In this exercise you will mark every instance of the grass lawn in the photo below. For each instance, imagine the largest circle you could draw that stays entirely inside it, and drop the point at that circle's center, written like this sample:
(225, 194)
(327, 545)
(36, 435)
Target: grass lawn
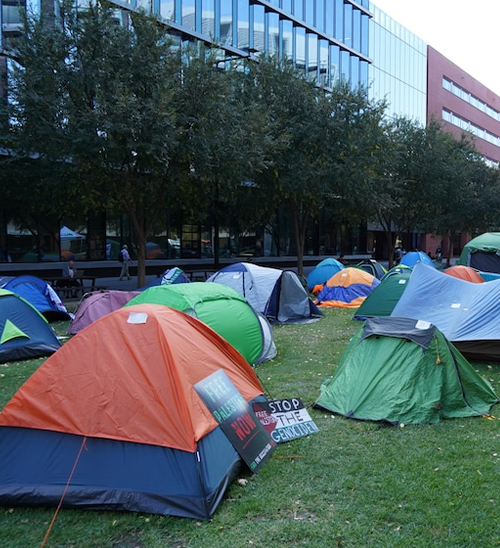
(352, 484)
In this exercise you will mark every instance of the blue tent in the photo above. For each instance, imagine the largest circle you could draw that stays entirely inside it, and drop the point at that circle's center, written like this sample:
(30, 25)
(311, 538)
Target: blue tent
(323, 271)
(39, 294)
(413, 257)
(467, 313)
(24, 332)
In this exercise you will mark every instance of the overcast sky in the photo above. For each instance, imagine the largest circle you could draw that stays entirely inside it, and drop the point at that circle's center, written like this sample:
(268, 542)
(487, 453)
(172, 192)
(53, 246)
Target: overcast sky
(465, 31)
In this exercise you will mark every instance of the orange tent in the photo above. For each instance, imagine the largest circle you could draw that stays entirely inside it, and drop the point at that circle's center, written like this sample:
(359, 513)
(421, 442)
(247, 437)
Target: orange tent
(125, 385)
(466, 273)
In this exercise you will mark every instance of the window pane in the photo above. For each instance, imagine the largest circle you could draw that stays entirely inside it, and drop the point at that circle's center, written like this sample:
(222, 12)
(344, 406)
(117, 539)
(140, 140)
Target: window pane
(243, 24)
(348, 25)
(300, 48)
(188, 14)
(334, 64)
(207, 17)
(312, 57)
(323, 63)
(226, 22)
(298, 9)
(273, 33)
(258, 27)
(339, 19)
(167, 9)
(287, 39)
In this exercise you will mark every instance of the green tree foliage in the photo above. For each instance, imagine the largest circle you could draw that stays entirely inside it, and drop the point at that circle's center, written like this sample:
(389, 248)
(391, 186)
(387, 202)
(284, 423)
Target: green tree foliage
(222, 143)
(319, 147)
(101, 107)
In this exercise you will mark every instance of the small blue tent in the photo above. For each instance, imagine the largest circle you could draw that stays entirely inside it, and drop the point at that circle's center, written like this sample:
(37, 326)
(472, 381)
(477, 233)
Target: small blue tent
(24, 332)
(39, 294)
(413, 257)
(323, 271)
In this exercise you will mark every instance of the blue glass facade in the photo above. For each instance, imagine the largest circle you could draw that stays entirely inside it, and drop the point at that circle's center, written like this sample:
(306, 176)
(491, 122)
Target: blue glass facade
(327, 39)
(398, 71)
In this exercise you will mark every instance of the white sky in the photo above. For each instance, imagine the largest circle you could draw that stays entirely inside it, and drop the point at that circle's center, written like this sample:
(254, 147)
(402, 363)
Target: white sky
(465, 31)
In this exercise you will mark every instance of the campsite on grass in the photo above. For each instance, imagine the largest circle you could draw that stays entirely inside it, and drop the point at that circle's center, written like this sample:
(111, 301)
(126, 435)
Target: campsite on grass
(111, 428)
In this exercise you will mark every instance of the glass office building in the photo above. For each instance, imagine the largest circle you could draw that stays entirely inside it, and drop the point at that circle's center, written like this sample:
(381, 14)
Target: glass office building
(329, 40)
(398, 71)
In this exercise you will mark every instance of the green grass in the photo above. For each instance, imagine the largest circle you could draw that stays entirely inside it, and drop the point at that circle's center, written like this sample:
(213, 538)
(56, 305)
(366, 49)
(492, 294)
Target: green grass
(352, 484)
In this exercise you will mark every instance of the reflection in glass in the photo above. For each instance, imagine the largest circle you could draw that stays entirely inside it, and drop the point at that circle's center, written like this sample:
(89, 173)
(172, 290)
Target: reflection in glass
(334, 65)
(324, 77)
(348, 25)
(258, 27)
(339, 19)
(226, 22)
(188, 14)
(167, 9)
(286, 39)
(300, 48)
(207, 18)
(298, 9)
(345, 66)
(312, 57)
(243, 24)
(320, 15)
(272, 33)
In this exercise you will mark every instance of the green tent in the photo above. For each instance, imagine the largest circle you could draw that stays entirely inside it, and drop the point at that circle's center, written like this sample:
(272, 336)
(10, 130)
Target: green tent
(382, 300)
(221, 308)
(404, 371)
(482, 253)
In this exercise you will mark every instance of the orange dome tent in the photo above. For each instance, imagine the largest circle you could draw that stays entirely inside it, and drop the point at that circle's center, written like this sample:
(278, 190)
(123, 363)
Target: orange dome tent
(466, 273)
(123, 390)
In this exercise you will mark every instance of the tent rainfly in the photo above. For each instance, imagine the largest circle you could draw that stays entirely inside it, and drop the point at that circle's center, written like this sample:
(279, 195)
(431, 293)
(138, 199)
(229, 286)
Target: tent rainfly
(404, 371)
(130, 430)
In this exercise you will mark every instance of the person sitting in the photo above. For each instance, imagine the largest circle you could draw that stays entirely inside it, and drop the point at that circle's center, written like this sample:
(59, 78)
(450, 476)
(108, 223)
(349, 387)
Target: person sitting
(69, 274)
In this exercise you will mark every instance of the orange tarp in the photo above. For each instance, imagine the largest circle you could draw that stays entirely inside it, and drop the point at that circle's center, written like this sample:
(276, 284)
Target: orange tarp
(132, 381)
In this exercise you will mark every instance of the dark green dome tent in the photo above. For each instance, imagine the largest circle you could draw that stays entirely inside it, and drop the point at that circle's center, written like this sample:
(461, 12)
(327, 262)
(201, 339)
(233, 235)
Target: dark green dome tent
(382, 300)
(482, 253)
(404, 371)
(221, 308)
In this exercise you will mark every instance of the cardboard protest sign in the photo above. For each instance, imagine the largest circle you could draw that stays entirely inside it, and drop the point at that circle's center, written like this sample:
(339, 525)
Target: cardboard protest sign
(286, 419)
(236, 418)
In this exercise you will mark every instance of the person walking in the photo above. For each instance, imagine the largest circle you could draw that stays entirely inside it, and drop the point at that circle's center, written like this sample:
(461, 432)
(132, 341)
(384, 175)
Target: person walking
(124, 258)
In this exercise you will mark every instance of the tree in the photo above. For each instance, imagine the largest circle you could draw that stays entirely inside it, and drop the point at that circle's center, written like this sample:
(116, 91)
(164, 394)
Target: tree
(101, 106)
(466, 191)
(392, 192)
(299, 124)
(222, 142)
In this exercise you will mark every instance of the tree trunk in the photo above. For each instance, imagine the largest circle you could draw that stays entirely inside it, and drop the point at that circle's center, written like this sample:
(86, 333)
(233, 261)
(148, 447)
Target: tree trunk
(299, 232)
(141, 261)
(449, 255)
(390, 247)
(140, 240)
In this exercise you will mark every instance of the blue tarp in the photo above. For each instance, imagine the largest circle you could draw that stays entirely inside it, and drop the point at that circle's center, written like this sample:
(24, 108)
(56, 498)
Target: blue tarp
(467, 313)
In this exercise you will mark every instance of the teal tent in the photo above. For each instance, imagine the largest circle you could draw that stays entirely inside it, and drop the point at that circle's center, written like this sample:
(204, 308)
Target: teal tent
(404, 371)
(221, 308)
